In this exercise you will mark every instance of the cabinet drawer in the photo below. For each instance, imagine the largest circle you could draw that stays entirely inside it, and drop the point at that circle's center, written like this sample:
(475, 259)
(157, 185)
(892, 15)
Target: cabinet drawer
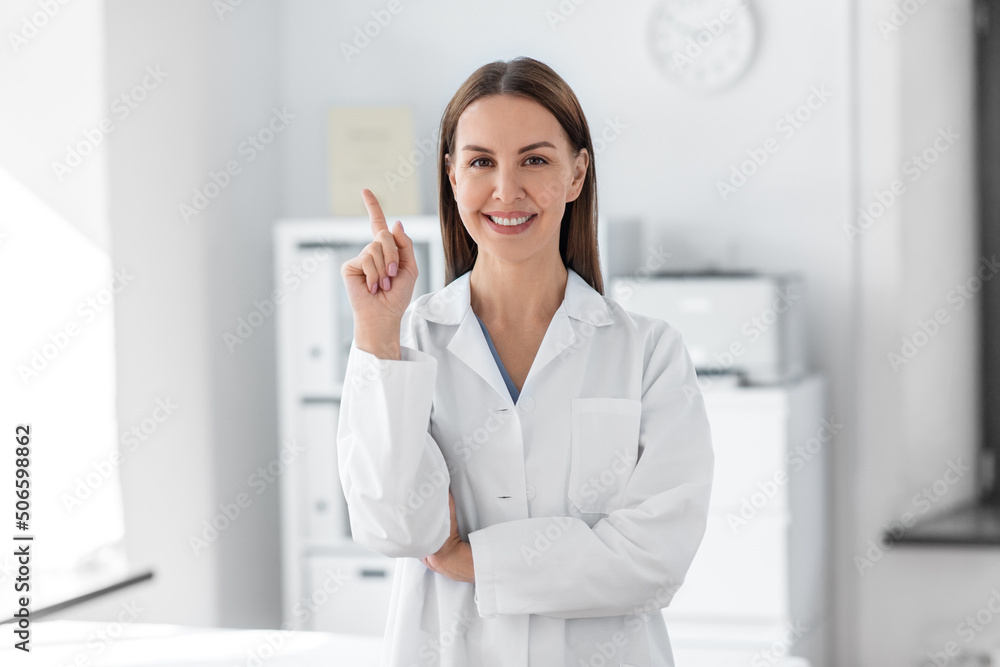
(344, 594)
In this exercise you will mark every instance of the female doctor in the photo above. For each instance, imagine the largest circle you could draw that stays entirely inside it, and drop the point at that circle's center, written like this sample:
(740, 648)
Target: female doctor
(537, 458)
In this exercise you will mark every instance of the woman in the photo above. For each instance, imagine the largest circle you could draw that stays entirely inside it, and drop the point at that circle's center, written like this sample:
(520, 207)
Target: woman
(538, 458)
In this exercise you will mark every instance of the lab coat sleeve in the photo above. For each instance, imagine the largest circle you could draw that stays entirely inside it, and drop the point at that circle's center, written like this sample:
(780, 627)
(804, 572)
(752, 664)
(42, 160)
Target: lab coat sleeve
(634, 559)
(394, 476)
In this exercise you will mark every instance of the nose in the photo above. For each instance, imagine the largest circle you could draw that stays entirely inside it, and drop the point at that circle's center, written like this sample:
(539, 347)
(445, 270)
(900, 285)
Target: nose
(507, 188)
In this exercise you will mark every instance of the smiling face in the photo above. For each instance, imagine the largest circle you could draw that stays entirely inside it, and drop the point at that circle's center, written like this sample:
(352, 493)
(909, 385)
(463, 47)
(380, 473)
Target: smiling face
(513, 171)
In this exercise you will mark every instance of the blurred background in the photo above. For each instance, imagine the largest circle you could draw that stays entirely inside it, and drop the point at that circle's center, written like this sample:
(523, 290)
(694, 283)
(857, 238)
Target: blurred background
(152, 150)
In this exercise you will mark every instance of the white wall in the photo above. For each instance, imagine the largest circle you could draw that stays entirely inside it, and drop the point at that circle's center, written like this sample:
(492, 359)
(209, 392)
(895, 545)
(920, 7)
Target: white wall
(193, 281)
(57, 97)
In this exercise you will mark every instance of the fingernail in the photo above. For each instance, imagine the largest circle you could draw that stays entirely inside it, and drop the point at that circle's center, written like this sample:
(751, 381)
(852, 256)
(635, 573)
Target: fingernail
(385, 283)
(392, 269)
(374, 287)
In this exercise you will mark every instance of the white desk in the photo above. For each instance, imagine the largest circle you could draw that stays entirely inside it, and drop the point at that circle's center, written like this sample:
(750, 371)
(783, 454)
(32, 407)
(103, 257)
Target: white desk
(78, 644)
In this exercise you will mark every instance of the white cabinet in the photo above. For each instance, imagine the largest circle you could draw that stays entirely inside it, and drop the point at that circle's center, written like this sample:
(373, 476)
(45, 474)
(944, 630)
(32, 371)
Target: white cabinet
(329, 583)
(758, 583)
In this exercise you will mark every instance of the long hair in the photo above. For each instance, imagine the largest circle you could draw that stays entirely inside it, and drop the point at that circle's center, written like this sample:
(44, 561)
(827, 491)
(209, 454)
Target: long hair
(537, 81)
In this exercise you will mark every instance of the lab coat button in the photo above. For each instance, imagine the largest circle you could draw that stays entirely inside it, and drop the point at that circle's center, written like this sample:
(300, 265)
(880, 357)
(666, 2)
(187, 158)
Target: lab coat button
(530, 488)
(525, 404)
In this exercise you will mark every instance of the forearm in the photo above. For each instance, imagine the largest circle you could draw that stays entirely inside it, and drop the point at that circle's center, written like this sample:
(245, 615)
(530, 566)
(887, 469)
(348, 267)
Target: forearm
(394, 475)
(559, 566)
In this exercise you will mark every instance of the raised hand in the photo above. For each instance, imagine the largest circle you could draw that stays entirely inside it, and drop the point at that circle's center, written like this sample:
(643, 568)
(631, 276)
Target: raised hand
(380, 282)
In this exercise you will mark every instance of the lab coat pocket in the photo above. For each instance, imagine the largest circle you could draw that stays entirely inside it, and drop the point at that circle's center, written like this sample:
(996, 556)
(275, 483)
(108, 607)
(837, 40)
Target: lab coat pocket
(605, 446)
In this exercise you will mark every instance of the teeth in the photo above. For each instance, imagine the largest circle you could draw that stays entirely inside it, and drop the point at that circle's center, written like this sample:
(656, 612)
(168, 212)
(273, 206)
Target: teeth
(510, 222)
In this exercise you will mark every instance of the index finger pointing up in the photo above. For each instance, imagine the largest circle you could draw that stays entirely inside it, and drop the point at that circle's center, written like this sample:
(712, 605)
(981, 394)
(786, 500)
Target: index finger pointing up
(374, 211)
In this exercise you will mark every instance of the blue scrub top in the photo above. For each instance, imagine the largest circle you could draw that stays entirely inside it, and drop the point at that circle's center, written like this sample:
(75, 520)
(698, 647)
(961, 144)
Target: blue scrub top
(514, 393)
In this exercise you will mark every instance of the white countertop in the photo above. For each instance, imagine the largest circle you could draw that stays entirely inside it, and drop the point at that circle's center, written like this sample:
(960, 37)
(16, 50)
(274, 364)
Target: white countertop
(79, 644)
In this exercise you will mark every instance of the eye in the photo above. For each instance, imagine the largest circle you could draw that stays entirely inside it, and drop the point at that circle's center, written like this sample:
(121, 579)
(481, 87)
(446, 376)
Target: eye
(479, 159)
(540, 159)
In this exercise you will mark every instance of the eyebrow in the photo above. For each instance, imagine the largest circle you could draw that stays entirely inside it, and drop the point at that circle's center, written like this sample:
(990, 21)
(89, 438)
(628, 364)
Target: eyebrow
(531, 147)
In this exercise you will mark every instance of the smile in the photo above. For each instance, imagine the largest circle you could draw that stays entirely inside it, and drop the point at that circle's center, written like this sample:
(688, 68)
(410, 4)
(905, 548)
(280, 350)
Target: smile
(510, 222)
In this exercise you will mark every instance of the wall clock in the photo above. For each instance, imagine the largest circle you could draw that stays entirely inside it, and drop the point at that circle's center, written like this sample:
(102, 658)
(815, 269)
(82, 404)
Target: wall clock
(703, 45)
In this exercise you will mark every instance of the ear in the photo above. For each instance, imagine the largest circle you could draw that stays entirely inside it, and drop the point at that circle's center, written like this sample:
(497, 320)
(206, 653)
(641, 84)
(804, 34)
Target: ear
(450, 168)
(580, 164)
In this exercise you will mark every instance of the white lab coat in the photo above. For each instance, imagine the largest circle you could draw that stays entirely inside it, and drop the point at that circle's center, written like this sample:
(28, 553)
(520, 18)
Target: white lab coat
(584, 503)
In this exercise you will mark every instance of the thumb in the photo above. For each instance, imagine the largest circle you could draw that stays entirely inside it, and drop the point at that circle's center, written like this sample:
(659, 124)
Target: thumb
(404, 245)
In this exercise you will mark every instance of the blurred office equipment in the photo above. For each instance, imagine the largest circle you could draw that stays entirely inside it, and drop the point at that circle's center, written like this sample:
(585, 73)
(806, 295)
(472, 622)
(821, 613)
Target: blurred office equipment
(757, 590)
(746, 324)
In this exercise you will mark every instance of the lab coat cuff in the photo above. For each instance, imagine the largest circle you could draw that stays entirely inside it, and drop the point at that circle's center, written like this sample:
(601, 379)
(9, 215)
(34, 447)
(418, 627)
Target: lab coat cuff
(482, 562)
(363, 365)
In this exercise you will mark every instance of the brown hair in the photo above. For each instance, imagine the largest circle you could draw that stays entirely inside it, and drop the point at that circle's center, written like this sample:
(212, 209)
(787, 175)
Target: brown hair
(537, 81)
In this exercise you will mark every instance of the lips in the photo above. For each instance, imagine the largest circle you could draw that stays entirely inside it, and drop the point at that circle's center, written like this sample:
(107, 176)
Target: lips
(511, 219)
(510, 225)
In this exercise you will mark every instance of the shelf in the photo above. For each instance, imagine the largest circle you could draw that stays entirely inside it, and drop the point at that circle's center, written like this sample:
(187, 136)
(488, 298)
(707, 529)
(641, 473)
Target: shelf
(976, 524)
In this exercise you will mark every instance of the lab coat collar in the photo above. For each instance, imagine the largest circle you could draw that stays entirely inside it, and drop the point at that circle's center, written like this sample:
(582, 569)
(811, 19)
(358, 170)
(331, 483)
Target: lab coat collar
(580, 301)
(452, 305)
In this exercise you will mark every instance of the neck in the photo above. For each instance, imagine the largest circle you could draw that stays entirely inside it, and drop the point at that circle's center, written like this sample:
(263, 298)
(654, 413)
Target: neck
(508, 293)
